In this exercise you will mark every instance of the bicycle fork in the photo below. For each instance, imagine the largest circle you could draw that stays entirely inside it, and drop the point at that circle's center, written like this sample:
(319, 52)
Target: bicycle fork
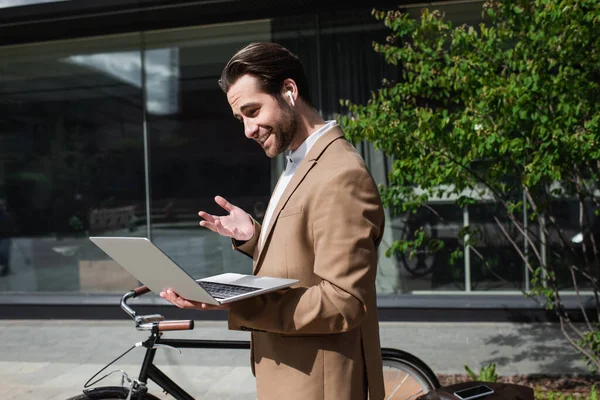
(152, 372)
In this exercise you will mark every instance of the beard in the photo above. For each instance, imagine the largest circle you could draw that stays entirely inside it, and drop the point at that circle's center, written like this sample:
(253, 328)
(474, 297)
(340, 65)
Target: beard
(283, 130)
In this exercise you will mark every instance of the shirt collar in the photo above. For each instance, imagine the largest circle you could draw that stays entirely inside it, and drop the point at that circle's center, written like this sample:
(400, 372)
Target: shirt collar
(296, 156)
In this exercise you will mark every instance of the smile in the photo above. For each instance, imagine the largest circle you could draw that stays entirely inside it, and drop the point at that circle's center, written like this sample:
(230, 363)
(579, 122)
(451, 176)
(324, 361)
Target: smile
(264, 138)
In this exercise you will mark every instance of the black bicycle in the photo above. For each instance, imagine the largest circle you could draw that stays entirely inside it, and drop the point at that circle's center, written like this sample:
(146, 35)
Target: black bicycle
(406, 377)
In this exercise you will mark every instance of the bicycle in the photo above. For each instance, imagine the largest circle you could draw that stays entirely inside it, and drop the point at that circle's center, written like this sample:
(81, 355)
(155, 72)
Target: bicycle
(406, 377)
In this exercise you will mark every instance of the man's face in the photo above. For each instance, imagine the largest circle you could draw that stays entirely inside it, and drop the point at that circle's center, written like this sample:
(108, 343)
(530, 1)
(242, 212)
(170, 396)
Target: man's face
(269, 121)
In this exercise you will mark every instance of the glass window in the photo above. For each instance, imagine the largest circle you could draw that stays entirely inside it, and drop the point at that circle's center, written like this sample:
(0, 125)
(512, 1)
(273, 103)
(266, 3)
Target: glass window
(71, 161)
(569, 244)
(495, 264)
(197, 149)
(17, 3)
(72, 156)
(350, 68)
(430, 267)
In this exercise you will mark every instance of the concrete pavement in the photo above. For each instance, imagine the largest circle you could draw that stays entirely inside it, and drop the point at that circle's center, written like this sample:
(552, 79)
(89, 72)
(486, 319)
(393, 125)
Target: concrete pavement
(52, 359)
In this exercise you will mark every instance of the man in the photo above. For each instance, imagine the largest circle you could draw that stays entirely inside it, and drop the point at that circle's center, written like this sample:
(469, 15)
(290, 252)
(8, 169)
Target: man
(319, 339)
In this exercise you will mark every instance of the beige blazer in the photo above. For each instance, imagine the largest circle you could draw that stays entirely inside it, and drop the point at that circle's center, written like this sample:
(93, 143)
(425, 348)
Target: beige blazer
(320, 339)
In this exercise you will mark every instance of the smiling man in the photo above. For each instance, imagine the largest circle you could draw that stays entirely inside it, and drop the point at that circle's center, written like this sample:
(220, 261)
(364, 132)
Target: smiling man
(268, 120)
(320, 338)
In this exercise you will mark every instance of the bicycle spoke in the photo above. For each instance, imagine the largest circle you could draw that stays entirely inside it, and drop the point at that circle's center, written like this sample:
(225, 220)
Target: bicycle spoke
(400, 385)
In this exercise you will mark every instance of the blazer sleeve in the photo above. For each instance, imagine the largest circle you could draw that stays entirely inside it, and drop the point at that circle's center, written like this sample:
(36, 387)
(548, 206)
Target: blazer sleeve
(347, 222)
(248, 246)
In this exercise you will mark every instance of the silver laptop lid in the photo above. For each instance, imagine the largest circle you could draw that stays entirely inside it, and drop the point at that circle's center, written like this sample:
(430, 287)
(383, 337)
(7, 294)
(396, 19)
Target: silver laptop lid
(141, 258)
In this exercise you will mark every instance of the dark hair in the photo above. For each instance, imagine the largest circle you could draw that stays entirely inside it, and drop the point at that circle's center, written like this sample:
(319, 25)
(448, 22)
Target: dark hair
(271, 64)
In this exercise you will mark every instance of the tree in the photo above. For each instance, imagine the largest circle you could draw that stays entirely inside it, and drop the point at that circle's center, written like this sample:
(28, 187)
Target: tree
(508, 110)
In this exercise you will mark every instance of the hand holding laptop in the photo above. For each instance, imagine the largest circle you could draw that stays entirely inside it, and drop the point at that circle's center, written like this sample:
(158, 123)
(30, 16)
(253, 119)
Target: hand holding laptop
(180, 302)
(155, 269)
(237, 224)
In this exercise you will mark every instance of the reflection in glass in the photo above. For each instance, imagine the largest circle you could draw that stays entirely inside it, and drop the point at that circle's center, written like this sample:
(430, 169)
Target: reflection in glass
(430, 266)
(7, 230)
(350, 68)
(566, 241)
(495, 263)
(16, 3)
(197, 149)
(72, 154)
(71, 161)
(162, 74)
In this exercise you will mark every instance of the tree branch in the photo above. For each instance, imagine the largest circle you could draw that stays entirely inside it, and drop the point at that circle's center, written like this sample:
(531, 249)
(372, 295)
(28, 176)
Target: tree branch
(585, 316)
(514, 244)
(583, 351)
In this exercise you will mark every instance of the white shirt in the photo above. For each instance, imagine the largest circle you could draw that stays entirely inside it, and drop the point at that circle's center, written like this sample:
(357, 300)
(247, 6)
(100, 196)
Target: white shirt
(294, 158)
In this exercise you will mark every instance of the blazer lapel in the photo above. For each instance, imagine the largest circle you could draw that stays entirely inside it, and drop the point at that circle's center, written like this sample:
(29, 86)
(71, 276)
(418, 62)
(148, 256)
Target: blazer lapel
(303, 169)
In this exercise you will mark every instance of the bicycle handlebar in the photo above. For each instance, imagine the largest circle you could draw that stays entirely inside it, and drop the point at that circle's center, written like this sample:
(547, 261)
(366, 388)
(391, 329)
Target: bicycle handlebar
(140, 291)
(182, 325)
(147, 322)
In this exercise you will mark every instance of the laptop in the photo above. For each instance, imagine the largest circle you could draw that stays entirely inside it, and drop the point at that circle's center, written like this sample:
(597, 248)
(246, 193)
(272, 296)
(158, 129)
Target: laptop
(142, 259)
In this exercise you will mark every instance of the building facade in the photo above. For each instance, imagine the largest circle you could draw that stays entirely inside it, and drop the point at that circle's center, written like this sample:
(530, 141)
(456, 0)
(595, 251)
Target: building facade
(112, 123)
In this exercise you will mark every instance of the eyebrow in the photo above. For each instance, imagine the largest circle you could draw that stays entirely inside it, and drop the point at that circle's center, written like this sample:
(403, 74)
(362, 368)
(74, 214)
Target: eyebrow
(245, 107)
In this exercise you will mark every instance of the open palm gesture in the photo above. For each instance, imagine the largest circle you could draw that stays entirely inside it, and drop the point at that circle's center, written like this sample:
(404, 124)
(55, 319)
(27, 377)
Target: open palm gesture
(237, 224)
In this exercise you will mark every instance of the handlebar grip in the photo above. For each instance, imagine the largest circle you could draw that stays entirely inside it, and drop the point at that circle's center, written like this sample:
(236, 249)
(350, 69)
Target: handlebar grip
(141, 290)
(182, 325)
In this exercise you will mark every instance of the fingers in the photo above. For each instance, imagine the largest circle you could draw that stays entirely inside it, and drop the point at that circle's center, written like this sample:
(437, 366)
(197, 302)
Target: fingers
(209, 221)
(180, 302)
(215, 225)
(206, 216)
(224, 203)
(210, 226)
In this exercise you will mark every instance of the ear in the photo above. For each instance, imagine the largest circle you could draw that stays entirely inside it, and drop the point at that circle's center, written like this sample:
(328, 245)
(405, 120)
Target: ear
(289, 85)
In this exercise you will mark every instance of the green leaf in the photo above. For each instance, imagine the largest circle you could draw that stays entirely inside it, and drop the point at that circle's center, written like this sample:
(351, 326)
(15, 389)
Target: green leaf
(480, 115)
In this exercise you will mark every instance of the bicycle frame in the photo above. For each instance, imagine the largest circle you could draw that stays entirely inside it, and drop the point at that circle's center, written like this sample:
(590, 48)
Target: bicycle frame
(150, 371)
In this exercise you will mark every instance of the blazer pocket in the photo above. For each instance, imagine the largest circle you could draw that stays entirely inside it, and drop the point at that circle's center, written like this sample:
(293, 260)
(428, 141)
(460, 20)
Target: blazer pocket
(286, 212)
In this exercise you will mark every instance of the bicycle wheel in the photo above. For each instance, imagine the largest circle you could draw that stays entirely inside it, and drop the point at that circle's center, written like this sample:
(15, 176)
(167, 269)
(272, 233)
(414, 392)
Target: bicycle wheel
(111, 393)
(405, 376)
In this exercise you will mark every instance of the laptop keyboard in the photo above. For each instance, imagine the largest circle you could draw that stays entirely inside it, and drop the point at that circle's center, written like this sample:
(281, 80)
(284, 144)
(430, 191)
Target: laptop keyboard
(224, 291)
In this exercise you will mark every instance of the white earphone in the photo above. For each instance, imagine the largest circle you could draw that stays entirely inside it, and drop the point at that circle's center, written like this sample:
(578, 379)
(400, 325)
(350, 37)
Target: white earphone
(289, 93)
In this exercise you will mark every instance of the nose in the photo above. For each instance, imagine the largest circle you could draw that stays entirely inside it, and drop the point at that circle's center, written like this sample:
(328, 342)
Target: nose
(250, 129)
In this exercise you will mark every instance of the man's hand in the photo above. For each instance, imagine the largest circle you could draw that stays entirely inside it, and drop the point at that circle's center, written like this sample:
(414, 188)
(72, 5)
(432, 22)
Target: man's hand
(237, 224)
(180, 302)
